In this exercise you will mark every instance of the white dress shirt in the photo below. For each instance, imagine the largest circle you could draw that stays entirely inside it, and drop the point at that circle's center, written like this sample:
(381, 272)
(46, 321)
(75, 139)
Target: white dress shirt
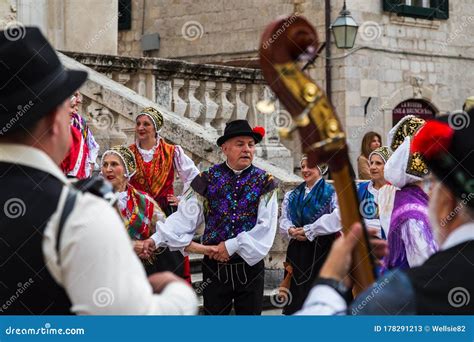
(178, 230)
(324, 300)
(184, 165)
(99, 270)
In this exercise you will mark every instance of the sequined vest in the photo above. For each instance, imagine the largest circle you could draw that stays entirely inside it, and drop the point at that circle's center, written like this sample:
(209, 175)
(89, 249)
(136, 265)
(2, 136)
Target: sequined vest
(231, 200)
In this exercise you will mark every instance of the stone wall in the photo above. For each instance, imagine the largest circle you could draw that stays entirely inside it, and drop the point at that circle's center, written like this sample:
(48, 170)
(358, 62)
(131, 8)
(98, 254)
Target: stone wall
(71, 25)
(395, 58)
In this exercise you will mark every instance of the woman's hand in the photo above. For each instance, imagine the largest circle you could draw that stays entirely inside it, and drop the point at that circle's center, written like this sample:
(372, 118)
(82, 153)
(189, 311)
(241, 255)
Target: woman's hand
(138, 247)
(298, 233)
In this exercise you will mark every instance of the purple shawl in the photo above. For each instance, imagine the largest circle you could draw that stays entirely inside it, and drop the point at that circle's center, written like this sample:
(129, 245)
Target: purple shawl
(411, 202)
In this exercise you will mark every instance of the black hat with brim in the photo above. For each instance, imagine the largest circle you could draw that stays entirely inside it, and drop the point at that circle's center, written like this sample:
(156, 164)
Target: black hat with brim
(238, 128)
(33, 82)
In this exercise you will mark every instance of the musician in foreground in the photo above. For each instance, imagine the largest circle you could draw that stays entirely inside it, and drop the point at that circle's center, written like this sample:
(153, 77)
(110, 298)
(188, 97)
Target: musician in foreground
(443, 284)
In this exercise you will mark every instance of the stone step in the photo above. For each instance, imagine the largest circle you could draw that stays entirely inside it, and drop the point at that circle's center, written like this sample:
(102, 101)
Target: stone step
(195, 262)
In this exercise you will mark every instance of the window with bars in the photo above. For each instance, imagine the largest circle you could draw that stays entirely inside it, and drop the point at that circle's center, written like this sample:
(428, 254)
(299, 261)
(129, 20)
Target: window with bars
(124, 14)
(426, 9)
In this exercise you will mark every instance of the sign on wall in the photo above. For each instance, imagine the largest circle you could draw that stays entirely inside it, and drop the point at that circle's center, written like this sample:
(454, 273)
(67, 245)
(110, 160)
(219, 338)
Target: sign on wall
(421, 108)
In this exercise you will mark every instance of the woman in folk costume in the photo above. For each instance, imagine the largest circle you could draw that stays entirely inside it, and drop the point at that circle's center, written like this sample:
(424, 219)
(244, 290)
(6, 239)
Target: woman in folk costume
(410, 238)
(302, 207)
(376, 195)
(375, 198)
(139, 211)
(157, 162)
(81, 159)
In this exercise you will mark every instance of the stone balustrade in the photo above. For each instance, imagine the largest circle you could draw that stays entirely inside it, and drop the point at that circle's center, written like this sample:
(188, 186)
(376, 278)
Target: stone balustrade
(209, 95)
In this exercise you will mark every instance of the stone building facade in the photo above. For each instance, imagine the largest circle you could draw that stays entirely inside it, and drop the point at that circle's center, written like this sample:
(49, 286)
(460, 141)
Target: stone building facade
(399, 63)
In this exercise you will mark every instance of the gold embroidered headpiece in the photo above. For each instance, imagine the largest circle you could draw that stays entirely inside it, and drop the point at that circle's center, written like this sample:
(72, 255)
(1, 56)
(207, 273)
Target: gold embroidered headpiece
(155, 116)
(407, 126)
(384, 152)
(127, 157)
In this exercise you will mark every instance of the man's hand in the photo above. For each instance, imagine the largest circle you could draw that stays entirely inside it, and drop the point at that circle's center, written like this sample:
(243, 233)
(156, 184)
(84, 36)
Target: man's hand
(339, 261)
(159, 281)
(210, 251)
(221, 255)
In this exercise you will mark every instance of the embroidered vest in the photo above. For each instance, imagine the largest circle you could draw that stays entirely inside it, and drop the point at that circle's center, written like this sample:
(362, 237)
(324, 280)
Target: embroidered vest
(231, 201)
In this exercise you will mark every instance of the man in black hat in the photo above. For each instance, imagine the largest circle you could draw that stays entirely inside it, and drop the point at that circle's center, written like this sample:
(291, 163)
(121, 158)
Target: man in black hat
(238, 204)
(443, 284)
(50, 263)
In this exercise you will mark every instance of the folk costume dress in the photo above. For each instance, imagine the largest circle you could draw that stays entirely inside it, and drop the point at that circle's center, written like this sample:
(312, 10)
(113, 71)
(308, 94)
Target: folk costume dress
(140, 214)
(410, 239)
(155, 176)
(83, 151)
(302, 207)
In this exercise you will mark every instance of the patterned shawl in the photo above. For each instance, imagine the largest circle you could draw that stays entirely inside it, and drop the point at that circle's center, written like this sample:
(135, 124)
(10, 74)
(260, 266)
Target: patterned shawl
(154, 177)
(138, 214)
(305, 210)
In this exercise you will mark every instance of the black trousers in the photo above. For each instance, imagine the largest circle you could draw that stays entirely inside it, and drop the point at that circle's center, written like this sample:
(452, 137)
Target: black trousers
(234, 282)
(166, 260)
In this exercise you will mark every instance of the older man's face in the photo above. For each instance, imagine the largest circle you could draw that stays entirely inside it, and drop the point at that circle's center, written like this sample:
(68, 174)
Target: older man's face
(239, 152)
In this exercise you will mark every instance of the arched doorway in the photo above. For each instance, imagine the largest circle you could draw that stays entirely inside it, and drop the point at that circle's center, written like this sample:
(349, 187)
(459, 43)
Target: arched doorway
(417, 107)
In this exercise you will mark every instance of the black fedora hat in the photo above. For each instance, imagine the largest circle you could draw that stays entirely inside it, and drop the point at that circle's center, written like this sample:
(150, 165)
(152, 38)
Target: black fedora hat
(32, 79)
(239, 128)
